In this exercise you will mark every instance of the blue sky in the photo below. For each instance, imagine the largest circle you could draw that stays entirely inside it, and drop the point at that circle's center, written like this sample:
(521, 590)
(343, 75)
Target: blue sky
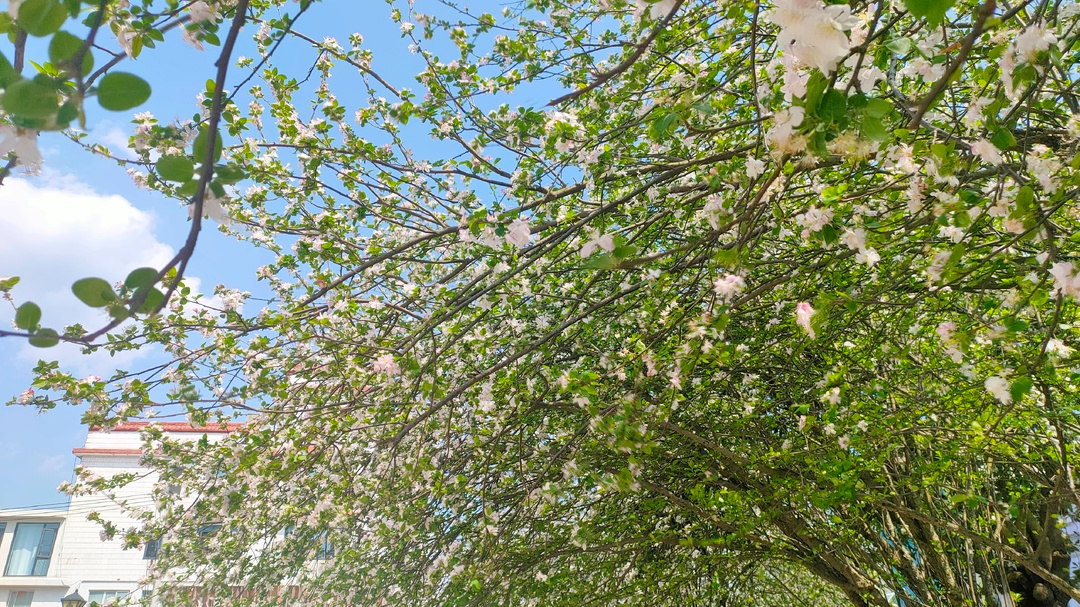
(83, 216)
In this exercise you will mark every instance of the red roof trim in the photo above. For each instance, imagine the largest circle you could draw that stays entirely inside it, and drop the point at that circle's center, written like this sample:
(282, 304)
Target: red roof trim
(173, 427)
(92, 451)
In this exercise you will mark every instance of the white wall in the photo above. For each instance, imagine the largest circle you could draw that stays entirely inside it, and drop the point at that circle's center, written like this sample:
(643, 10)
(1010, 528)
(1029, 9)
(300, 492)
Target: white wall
(48, 589)
(82, 559)
(86, 554)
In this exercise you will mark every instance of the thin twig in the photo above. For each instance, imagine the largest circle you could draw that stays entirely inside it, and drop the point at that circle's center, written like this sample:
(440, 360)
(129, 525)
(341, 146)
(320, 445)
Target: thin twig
(981, 16)
(626, 63)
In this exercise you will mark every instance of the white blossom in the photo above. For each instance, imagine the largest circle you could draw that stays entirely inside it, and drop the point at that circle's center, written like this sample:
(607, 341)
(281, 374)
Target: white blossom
(999, 387)
(1066, 281)
(212, 208)
(654, 9)
(23, 143)
(754, 167)
(814, 32)
(200, 11)
(987, 151)
(605, 242)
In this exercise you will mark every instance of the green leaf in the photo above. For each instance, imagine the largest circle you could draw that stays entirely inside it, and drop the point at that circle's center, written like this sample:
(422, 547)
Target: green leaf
(119, 312)
(154, 300)
(1020, 388)
(833, 105)
(663, 125)
(64, 47)
(878, 108)
(1024, 198)
(119, 91)
(1003, 139)
(873, 129)
(931, 10)
(31, 99)
(818, 144)
(27, 316)
(175, 168)
(228, 174)
(94, 292)
(1015, 325)
(704, 107)
(199, 147)
(188, 189)
(815, 88)
(957, 254)
(68, 112)
(8, 283)
(601, 262)
(141, 278)
(41, 17)
(8, 74)
(899, 46)
(45, 338)
(829, 235)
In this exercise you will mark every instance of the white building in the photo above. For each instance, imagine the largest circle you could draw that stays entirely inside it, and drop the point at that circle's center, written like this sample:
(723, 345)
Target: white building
(47, 554)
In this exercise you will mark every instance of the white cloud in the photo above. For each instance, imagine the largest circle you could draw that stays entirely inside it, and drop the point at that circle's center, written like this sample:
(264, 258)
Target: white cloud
(57, 230)
(116, 139)
(54, 463)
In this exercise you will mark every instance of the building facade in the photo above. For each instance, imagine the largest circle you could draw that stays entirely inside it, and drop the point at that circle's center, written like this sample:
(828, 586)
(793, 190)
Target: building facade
(47, 554)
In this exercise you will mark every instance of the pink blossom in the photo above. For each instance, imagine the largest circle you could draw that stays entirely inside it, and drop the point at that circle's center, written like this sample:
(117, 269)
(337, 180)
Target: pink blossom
(675, 379)
(803, 313)
(945, 331)
(385, 363)
(518, 232)
(728, 286)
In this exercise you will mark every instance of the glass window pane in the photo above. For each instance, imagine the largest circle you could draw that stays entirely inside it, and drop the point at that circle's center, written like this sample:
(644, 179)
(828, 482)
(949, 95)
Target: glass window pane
(150, 552)
(31, 549)
(24, 548)
(20, 598)
(105, 597)
(48, 538)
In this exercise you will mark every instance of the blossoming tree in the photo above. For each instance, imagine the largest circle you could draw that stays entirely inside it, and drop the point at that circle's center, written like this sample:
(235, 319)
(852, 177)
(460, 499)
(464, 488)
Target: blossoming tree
(770, 294)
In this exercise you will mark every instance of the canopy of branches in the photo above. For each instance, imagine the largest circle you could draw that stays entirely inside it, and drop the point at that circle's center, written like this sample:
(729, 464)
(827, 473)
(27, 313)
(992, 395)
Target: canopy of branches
(771, 295)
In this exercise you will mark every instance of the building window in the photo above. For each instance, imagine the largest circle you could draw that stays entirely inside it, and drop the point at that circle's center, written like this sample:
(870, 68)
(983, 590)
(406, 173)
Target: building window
(325, 549)
(20, 598)
(150, 551)
(31, 549)
(2, 527)
(100, 598)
